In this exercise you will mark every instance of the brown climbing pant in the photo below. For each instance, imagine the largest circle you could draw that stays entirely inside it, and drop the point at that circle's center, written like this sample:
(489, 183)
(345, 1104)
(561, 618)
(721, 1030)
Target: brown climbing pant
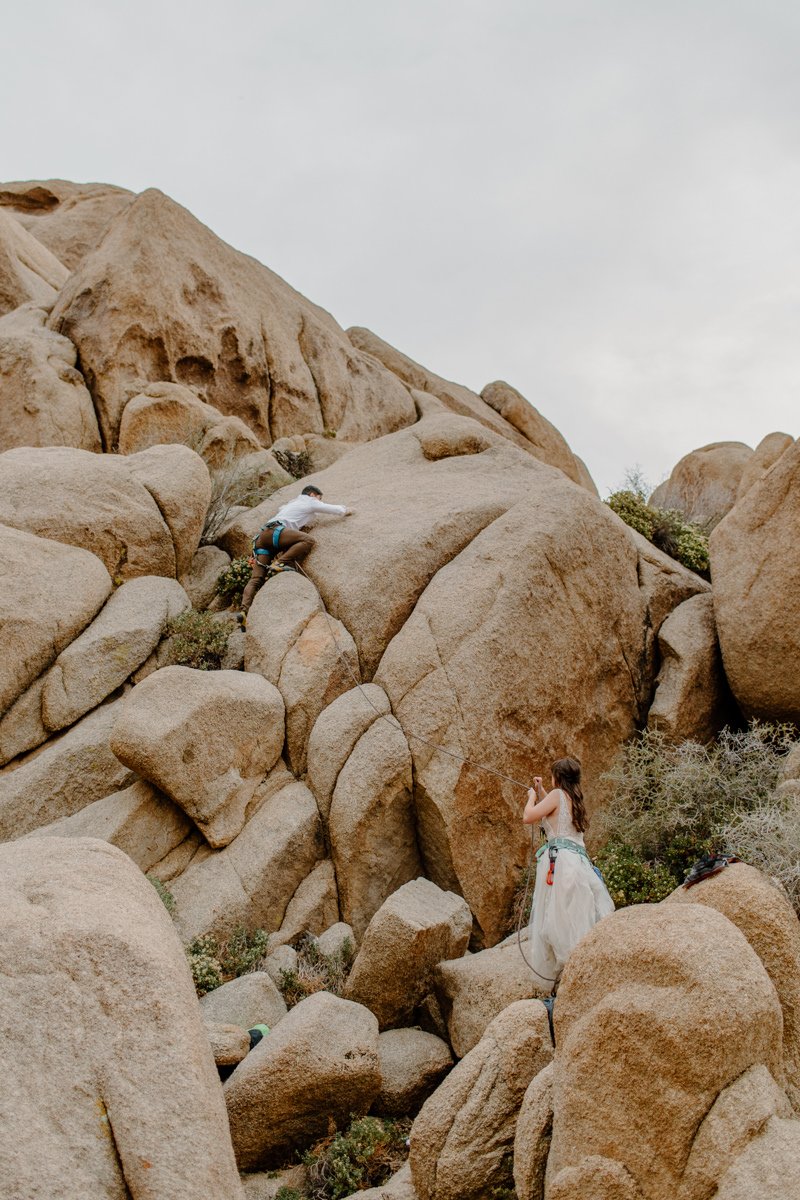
(293, 546)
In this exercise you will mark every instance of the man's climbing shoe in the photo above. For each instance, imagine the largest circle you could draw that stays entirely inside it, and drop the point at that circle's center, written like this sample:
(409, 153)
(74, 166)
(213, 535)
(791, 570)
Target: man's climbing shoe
(712, 864)
(277, 568)
(241, 619)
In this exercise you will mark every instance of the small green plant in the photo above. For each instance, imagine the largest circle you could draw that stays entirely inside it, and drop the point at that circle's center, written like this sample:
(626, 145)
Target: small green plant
(296, 462)
(315, 971)
(364, 1155)
(233, 580)
(289, 1193)
(664, 527)
(672, 804)
(215, 962)
(198, 640)
(206, 967)
(329, 433)
(166, 896)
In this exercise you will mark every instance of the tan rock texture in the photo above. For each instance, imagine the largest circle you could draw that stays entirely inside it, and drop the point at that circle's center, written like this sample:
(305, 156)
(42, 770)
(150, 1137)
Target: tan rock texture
(139, 820)
(206, 738)
(416, 928)
(766, 918)
(547, 442)
(336, 733)
(65, 776)
(199, 580)
(69, 218)
(692, 699)
(28, 271)
(412, 1065)
(766, 453)
(118, 640)
(64, 588)
(704, 484)
(299, 648)
(770, 1163)
(455, 398)
(140, 515)
(252, 999)
(220, 322)
(251, 881)
(371, 824)
(43, 398)
(461, 1140)
(170, 412)
(638, 1003)
(229, 1043)
(532, 1136)
(97, 1075)
(756, 573)
(313, 908)
(319, 1066)
(474, 989)
(399, 1187)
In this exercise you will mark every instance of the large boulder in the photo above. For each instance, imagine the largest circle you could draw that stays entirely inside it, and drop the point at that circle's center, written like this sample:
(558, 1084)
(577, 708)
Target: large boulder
(48, 594)
(68, 218)
(313, 908)
(199, 580)
(462, 1140)
(454, 397)
(532, 1136)
(108, 1044)
(756, 573)
(252, 999)
(416, 928)
(766, 918)
(336, 733)
(139, 820)
(413, 1064)
(767, 452)
(206, 738)
(704, 484)
(692, 699)
(473, 989)
(162, 298)
(659, 1010)
(140, 515)
(319, 1066)
(546, 441)
(252, 880)
(28, 271)
(118, 640)
(43, 398)
(371, 824)
(65, 776)
(303, 651)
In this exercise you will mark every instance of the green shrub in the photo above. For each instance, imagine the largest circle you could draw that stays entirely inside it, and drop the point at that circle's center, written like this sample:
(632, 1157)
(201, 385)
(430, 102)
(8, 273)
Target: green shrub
(289, 1193)
(296, 462)
(166, 896)
(215, 962)
(206, 967)
(672, 804)
(233, 580)
(768, 837)
(365, 1155)
(315, 971)
(665, 528)
(198, 640)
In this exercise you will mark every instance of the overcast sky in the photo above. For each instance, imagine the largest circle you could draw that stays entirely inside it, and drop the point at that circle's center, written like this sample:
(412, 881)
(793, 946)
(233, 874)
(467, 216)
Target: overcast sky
(596, 201)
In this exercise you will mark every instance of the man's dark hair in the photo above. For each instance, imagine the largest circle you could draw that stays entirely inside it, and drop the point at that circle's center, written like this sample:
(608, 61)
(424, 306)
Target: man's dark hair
(311, 490)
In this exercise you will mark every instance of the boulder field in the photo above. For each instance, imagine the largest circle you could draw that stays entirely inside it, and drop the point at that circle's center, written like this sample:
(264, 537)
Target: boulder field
(161, 396)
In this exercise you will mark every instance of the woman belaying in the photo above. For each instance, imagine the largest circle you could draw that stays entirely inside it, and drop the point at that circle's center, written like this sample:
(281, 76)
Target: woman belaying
(570, 896)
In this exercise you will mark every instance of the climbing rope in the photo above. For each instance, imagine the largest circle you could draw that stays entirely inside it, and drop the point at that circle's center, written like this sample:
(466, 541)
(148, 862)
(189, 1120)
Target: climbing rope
(393, 723)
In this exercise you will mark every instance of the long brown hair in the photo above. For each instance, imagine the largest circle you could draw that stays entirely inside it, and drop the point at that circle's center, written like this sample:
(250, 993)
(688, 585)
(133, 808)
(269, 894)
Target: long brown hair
(567, 774)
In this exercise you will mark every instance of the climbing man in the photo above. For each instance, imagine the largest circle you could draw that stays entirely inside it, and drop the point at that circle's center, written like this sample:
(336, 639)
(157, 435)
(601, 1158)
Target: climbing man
(282, 542)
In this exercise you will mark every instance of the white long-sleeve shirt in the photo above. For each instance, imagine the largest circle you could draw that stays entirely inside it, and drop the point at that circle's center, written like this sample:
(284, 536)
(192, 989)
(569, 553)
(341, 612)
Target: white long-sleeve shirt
(301, 511)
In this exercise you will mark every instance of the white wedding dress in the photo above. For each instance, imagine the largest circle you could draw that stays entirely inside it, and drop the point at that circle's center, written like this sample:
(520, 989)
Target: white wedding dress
(566, 909)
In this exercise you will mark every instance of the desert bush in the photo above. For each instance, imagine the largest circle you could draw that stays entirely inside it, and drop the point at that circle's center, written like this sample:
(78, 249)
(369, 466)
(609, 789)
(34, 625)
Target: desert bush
(165, 895)
(364, 1155)
(233, 484)
(197, 640)
(315, 971)
(671, 804)
(664, 527)
(297, 462)
(289, 1193)
(234, 579)
(768, 837)
(215, 962)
